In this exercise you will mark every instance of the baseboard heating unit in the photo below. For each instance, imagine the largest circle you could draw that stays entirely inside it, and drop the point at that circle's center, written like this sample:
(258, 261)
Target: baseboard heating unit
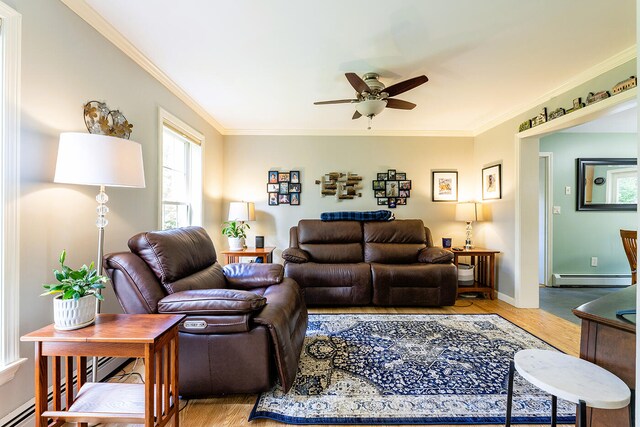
(591, 280)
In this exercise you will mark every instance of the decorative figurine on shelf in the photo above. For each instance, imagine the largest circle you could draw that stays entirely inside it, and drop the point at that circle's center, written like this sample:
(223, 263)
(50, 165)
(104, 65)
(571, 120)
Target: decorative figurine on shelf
(558, 112)
(624, 85)
(525, 125)
(577, 104)
(540, 118)
(592, 98)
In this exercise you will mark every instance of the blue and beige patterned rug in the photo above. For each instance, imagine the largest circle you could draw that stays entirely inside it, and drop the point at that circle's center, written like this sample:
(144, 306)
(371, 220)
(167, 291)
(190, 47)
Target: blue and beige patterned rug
(409, 369)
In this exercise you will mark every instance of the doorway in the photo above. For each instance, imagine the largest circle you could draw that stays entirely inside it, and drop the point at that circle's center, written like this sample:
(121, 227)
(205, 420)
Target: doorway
(545, 197)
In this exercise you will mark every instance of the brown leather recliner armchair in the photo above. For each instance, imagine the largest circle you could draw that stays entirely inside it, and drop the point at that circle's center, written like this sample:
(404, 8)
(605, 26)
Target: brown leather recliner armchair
(245, 323)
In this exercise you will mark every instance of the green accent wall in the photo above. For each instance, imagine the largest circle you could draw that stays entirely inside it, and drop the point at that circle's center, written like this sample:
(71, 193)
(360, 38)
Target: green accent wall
(580, 235)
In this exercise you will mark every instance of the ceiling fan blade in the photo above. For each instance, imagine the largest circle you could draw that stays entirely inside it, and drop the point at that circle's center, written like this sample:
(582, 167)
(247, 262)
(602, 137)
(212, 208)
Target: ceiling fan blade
(406, 85)
(358, 84)
(400, 104)
(356, 115)
(337, 101)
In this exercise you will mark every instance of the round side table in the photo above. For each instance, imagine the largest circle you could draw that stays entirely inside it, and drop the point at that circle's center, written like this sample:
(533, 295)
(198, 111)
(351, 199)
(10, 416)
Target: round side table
(569, 378)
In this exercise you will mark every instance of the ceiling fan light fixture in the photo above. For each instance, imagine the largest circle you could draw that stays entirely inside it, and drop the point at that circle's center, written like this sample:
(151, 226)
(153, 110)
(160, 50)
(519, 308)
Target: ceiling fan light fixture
(371, 107)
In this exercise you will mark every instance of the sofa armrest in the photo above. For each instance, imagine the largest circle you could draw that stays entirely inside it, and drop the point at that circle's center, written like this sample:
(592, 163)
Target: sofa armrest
(295, 255)
(211, 302)
(253, 275)
(432, 255)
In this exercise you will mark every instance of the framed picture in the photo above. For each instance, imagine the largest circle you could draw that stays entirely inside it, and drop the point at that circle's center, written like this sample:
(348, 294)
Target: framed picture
(283, 199)
(273, 188)
(380, 193)
(378, 185)
(294, 199)
(492, 182)
(283, 176)
(392, 202)
(391, 174)
(404, 194)
(404, 185)
(382, 176)
(273, 177)
(284, 188)
(294, 177)
(295, 188)
(383, 201)
(391, 188)
(273, 199)
(445, 186)
(401, 176)
(401, 201)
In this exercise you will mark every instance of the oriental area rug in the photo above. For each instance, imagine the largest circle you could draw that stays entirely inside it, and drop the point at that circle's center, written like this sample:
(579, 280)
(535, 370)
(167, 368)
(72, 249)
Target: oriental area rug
(409, 369)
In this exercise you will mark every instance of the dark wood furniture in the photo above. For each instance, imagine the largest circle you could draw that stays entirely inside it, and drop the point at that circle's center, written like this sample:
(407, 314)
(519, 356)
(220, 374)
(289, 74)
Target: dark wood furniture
(484, 262)
(234, 256)
(609, 341)
(153, 337)
(630, 244)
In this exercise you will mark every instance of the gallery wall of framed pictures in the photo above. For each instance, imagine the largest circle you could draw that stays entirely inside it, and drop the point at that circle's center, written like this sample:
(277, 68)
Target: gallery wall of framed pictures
(391, 188)
(284, 188)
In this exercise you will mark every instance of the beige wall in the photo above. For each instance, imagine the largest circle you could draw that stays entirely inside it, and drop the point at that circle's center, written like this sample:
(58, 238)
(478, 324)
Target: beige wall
(66, 63)
(248, 158)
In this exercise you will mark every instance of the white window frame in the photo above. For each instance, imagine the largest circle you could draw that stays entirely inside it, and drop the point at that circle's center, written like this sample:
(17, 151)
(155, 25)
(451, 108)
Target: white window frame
(10, 37)
(166, 118)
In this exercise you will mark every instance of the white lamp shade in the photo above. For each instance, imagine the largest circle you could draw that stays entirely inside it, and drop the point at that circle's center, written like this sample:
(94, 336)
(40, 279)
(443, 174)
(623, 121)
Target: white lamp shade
(468, 211)
(91, 159)
(371, 107)
(242, 211)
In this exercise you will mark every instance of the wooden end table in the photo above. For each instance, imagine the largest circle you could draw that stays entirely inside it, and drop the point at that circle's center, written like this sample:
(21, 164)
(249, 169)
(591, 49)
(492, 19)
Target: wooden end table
(484, 262)
(153, 337)
(234, 256)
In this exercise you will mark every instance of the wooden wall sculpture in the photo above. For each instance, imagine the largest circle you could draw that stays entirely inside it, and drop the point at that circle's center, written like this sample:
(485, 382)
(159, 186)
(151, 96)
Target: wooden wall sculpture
(344, 186)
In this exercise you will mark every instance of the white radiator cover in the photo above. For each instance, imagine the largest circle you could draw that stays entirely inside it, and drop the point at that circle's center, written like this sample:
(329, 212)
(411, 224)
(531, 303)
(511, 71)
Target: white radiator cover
(591, 280)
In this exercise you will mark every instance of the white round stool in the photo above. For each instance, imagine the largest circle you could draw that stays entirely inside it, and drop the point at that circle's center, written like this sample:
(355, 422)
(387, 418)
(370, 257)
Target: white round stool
(571, 379)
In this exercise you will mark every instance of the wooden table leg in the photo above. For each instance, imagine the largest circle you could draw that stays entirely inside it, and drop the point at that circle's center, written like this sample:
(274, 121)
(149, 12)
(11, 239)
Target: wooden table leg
(174, 380)
(42, 382)
(149, 370)
(492, 274)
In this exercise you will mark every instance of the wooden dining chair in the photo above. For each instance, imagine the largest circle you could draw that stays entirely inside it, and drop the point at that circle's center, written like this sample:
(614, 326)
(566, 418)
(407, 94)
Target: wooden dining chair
(630, 244)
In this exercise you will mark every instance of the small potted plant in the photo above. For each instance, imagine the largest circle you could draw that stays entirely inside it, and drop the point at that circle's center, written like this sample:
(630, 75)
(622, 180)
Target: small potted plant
(236, 231)
(74, 303)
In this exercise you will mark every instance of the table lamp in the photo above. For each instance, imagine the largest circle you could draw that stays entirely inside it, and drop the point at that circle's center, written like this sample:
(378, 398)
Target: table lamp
(242, 212)
(468, 212)
(104, 161)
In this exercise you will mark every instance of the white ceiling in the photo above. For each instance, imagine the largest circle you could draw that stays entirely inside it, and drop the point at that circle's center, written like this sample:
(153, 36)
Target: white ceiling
(258, 66)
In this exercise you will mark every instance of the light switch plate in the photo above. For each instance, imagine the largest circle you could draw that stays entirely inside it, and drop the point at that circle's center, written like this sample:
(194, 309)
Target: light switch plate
(556, 210)
(567, 190)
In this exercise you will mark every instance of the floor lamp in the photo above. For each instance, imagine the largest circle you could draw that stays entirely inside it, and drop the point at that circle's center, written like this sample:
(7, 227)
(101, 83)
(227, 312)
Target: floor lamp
(104, 161)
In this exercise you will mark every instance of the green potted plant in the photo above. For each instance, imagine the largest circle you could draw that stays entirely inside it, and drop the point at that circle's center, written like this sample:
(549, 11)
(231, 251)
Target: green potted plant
(236, 231)
(74, 303)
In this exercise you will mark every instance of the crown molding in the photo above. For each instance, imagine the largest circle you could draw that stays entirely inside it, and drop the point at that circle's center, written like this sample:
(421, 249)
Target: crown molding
(343, 132)
(601, 68)
(88, 14)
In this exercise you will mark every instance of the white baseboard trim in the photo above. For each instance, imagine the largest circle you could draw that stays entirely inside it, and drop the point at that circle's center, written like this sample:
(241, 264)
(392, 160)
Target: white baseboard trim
(24, 415)
(507, 299)
(591, 280)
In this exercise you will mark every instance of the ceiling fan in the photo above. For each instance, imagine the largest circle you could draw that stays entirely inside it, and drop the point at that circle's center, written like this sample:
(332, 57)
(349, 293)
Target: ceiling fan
(372, 96)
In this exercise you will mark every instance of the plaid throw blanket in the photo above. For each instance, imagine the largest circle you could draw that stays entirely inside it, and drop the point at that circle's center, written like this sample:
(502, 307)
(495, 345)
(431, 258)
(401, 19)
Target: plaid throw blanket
(357, 216)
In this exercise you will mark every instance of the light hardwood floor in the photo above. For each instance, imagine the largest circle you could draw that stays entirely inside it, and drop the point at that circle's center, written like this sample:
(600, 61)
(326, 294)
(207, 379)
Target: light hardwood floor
(233, 411)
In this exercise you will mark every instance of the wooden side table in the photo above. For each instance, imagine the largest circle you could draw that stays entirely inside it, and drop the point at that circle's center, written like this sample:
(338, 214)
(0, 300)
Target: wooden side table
(153, 337)
(234, 256)
(484, 262)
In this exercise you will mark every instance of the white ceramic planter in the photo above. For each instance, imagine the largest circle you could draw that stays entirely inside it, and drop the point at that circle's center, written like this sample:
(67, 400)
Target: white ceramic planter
(69, 314)
(236, 243)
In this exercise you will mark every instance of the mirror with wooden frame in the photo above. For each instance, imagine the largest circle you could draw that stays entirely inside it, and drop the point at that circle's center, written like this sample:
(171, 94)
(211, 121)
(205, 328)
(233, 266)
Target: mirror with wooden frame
(607, 184)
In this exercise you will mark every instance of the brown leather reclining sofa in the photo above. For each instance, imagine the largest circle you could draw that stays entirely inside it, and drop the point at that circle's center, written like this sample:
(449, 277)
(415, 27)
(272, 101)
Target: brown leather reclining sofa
(245, 323)
(388, 263)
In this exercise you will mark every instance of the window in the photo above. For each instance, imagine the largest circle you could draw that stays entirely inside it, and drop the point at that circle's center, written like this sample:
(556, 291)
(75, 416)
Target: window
(181, 166)
(10, 22)
(622, 186)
